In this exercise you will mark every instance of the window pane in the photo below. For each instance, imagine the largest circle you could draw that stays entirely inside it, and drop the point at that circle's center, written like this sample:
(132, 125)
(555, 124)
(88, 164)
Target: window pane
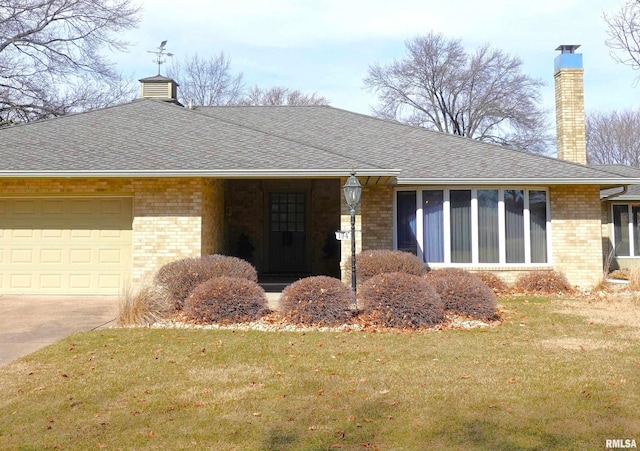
(621, 229)
(514, 225)
(488, 229)
(538, 219)
(406, 221)
(460, 226)
(635, 211)
(432, 205)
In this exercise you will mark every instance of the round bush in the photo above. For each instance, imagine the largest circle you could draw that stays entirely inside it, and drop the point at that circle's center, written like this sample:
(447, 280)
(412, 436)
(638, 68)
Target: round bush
(542, 282)
(226, 300)
(494, 282)
(464, 293)
(224, 265)
(319, 300)
(401, 300)
(180, 277)
(374, 262)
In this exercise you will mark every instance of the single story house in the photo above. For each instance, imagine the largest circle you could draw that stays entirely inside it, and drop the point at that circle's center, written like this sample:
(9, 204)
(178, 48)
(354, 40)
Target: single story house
(94, 201)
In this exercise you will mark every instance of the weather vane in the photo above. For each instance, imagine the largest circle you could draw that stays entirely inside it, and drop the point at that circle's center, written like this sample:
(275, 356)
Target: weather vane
(160, 55)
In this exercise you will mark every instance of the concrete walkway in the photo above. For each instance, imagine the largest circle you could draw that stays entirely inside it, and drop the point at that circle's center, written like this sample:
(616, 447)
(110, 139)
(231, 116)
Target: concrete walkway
(28, 323)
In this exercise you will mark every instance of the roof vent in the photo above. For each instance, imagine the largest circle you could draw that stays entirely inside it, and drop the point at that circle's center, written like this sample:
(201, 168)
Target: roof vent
(159, 87)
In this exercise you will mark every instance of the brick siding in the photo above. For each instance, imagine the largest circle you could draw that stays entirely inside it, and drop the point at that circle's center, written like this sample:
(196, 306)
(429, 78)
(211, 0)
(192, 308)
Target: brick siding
(576, 233)
(168, 219)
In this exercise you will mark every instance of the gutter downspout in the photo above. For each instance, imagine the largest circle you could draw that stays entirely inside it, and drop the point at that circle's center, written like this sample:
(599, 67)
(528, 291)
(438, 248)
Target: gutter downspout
(621, 193)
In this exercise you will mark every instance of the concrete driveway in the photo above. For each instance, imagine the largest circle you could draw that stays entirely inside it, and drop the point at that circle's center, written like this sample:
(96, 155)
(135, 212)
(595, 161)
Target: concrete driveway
(28, 323)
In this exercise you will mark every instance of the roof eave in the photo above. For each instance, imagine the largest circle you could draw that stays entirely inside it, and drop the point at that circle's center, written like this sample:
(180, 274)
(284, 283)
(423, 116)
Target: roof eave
(516, 181)
(221, 173)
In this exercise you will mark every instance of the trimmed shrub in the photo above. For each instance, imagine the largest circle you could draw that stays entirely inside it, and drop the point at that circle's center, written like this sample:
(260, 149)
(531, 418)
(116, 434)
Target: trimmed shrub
(224, 265)
(374, 262)
(494, 282)
(542, 282)
(319, 300)
(226, 300)
(401, 300)
(463, 293)
(144, 306)
(180, 277)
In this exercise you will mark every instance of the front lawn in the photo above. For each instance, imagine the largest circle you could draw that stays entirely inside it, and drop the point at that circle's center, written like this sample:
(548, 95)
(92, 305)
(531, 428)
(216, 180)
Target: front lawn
(556, 374)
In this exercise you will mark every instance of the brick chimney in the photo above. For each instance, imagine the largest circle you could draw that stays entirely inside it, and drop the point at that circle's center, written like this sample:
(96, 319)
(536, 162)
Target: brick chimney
(570, 120)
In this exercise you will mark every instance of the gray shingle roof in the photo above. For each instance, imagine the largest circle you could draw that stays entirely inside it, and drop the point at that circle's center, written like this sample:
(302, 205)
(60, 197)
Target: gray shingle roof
(151, 137)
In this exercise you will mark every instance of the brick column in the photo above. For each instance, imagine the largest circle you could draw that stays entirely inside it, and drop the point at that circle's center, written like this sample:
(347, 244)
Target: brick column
(576, 233)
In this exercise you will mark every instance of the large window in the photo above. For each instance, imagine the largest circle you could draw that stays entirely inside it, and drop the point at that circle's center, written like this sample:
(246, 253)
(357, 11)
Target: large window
(474, 226)
(626, 230)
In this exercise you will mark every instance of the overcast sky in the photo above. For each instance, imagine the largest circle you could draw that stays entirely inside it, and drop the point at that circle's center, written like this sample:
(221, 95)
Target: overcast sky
(326, 46)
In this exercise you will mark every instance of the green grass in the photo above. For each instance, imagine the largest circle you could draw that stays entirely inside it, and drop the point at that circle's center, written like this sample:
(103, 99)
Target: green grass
(542, 380)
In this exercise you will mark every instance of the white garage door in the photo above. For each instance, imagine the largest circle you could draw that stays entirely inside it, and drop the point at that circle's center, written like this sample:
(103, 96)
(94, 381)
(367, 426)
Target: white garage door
(62, 245)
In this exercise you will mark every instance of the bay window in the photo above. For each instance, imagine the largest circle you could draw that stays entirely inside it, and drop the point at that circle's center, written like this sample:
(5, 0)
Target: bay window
(473, 226)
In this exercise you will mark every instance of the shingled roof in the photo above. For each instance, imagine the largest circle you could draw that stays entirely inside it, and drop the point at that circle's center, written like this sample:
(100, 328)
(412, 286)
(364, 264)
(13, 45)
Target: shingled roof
(156, 138)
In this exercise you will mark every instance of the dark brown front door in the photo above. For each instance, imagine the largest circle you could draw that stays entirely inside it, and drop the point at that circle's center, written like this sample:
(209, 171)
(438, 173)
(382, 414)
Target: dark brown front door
(287, 233)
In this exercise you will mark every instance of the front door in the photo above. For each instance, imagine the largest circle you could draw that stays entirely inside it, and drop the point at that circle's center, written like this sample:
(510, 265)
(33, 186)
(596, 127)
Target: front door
(287, 233)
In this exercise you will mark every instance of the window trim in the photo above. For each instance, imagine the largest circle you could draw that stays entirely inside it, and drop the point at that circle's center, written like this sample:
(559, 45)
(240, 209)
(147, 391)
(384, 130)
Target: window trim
(474, 224)
(630, 229)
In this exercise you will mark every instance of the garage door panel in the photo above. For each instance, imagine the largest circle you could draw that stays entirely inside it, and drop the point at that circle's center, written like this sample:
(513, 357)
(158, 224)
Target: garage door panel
(25, 207)
(65, 245)
(106, 256)
(21, 256)
(51, 233)
(80, 281)
(51, 281)
(21, 234)
(53, 208)
(20, 281)
(110, 281)
(51, 256)
(80, 234)
(80, 256)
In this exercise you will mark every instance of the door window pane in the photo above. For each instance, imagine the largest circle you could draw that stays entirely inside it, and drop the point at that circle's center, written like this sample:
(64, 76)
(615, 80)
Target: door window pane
(514, 225)
(406, 221)
(621, 229)
(433, 235)
(488, 229)
(460, 226)
(538, 226)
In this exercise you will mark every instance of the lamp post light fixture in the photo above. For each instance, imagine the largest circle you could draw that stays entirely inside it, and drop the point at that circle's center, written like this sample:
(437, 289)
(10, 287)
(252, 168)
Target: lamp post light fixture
(352, 192)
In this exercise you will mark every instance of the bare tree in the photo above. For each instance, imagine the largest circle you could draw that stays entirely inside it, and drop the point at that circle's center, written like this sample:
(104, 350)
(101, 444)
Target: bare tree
(623, 29)
(481, 95)
(613, 137)
(279, 95)
(49, 46)
(207, 82)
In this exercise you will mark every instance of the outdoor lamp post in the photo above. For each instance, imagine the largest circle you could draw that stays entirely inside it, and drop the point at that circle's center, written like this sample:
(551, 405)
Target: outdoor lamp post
(352, 192)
